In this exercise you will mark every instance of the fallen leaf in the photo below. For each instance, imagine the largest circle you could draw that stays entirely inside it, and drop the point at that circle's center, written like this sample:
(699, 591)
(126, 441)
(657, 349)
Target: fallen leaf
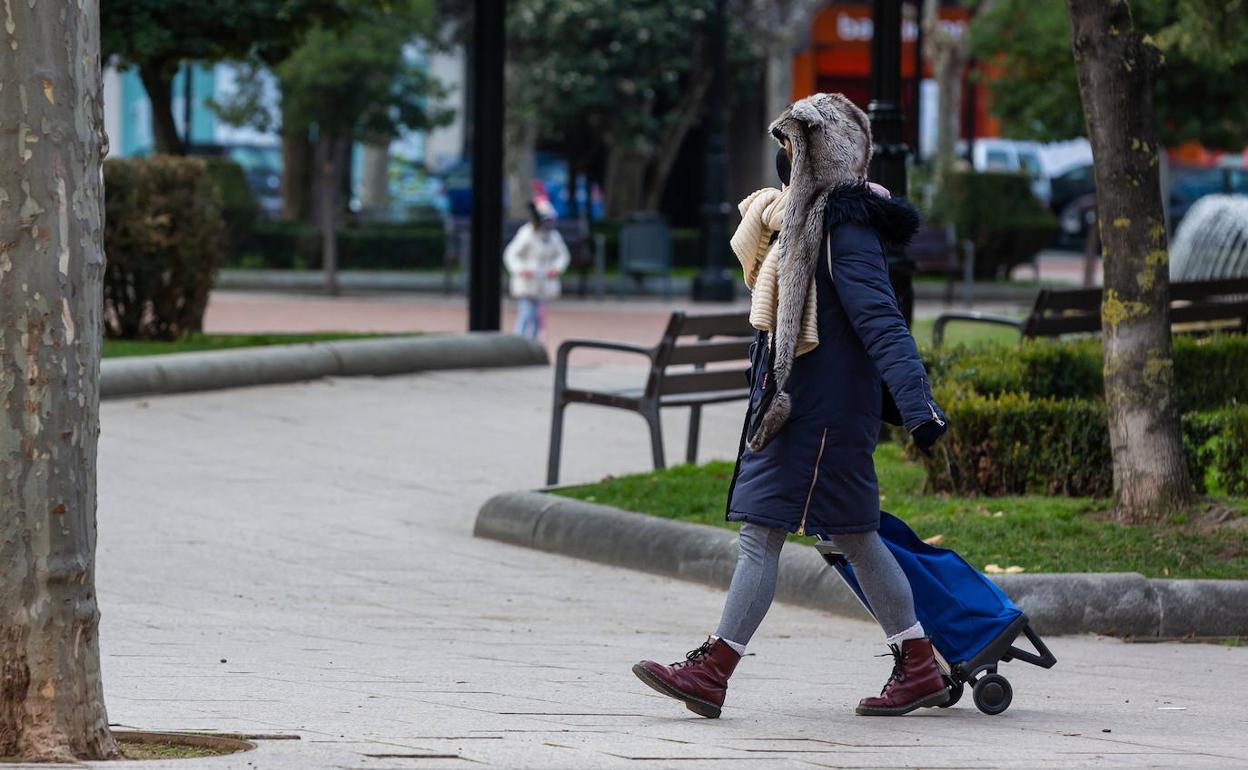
(993, 569)
(934, 539)
(1014, 569)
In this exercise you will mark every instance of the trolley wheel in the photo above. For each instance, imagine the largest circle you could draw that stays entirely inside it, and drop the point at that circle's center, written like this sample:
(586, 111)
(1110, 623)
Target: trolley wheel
(993, 694)
(955, 692)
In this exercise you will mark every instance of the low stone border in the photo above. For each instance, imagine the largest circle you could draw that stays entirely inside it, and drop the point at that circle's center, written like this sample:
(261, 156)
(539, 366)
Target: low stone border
(272, 364)
(1115, 603)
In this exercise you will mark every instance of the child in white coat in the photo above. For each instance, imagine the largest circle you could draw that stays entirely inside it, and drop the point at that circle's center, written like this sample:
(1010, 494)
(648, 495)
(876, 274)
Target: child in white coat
(535, 259)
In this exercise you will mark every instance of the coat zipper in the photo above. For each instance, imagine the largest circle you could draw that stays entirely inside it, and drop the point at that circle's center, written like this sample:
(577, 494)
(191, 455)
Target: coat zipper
(814, 478)
(927, 391)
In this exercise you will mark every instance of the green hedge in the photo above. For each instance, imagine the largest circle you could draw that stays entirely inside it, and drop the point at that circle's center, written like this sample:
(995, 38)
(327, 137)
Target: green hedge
(1014, 444)
(296, 245)
(1210, 372)
(1217, 449)
(999, 214)
(163, 236)
(238, 204)
(1032, 419)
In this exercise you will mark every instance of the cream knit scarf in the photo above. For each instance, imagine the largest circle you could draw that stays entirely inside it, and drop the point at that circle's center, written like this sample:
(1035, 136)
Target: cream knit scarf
(762, 214)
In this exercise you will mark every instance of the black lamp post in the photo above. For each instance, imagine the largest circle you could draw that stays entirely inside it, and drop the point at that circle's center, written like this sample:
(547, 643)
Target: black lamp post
(714, 283)
(888, 165)
(486, 270)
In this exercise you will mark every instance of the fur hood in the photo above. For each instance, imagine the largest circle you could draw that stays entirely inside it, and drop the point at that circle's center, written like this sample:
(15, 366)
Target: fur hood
(831, 147)
(893, 219)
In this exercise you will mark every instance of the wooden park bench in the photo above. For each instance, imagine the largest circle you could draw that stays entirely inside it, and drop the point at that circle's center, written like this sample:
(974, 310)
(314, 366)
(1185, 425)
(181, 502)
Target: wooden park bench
(935, 250)
(1071, 311)
(679, 376)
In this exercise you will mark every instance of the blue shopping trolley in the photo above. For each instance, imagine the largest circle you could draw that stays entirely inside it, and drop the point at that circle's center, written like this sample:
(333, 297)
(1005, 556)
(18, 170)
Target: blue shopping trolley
(972, 623)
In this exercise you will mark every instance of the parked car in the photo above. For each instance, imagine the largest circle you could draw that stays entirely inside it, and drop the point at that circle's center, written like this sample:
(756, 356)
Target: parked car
(1012, 155)
(1188, 184)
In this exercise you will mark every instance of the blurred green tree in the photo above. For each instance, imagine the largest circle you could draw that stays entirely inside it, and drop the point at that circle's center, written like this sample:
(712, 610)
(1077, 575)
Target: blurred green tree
(628, 77)
(1199, 88)
(157, 36)
(358, 81)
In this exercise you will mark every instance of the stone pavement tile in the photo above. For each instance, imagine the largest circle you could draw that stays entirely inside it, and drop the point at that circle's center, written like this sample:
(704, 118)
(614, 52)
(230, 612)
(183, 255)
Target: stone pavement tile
(317, 537)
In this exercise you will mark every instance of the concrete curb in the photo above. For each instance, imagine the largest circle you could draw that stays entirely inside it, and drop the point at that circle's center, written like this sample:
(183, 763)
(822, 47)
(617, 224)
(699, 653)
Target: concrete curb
(273, 364)
(1117, 604)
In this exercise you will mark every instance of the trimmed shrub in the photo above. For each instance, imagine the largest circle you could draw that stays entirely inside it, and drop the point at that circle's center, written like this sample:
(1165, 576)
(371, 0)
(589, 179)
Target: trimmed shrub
(297, 245)
(1012, 444)
(238, 203)
(1209, 371)
(1216, 444)
(999, 214)
(163, 236)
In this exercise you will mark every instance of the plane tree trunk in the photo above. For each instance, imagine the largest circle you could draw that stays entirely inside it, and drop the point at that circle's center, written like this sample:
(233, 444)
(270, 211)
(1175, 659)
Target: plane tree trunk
(51, 268)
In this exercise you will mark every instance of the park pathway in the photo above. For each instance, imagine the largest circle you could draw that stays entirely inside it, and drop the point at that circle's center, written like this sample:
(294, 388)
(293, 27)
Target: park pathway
(298, 561)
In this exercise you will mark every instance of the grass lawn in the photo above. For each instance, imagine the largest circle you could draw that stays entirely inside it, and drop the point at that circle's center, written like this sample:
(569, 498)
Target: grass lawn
(197, 342)
(963, 333)
(1039, 534)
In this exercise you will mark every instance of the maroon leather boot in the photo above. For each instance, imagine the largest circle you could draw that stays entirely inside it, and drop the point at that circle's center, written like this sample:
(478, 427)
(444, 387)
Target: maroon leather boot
(700, 680)
(916, 682)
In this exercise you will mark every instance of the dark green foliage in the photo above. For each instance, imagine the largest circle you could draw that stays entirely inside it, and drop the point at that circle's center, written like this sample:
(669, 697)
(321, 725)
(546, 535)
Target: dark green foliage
(1012, 444)
(169, 31)
(163, 235)
(1032, 419)
(238, 203)
(1209, 371)
(999, 214)
(287, 245)
(1199, 92)
(1217, 449)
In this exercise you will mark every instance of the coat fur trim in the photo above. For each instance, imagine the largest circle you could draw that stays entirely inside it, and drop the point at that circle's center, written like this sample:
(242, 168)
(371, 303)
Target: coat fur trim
(831, 142)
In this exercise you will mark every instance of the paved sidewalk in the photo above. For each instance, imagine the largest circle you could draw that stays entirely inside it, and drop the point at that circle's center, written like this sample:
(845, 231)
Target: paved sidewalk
(297, 560)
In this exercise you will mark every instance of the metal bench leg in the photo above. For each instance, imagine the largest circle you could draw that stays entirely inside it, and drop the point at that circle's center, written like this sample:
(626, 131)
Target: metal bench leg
(695, 426)
(656, 437)
(556, 442)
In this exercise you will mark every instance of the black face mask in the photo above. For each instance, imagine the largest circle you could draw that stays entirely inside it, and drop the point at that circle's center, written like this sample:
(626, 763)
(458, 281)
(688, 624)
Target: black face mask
(783, 168)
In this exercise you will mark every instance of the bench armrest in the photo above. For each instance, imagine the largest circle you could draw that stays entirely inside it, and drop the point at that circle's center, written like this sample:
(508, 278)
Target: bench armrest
(565, 350)
(938, 329)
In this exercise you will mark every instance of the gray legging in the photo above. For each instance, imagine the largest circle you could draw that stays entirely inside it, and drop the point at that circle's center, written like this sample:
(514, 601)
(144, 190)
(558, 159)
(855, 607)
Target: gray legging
(754, 581)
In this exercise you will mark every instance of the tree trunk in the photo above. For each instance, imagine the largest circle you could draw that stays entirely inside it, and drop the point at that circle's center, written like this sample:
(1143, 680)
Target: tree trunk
(687, 113)
(375, 181)
(327, 208)
(520, 156)
(51, 268)
(1116, 66)
(946, 55)
(625, 178)
(296, 183)
(159, 87)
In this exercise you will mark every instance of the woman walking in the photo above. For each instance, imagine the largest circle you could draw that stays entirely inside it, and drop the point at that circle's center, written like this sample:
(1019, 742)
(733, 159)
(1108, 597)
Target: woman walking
(535, 258)
(833, 358)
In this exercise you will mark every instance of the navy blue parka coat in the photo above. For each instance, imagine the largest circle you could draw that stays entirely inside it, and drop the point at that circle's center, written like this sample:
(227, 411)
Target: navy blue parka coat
(817, 476)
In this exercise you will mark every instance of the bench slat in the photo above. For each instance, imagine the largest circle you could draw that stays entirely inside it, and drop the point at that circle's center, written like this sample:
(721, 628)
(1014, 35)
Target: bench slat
(710, 352)
(718, 324)
(699, 382)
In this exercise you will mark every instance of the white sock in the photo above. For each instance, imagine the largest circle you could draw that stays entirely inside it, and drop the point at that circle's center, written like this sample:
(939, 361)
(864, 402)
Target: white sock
(737, 648)
(913, 632)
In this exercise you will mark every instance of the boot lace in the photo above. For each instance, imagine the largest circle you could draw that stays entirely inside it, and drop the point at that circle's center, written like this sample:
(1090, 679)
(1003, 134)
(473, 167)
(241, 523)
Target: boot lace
(693, 656)
(899, 670)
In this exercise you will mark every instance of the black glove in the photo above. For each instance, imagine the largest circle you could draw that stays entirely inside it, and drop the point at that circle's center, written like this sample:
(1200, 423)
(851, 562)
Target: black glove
(926, 435)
